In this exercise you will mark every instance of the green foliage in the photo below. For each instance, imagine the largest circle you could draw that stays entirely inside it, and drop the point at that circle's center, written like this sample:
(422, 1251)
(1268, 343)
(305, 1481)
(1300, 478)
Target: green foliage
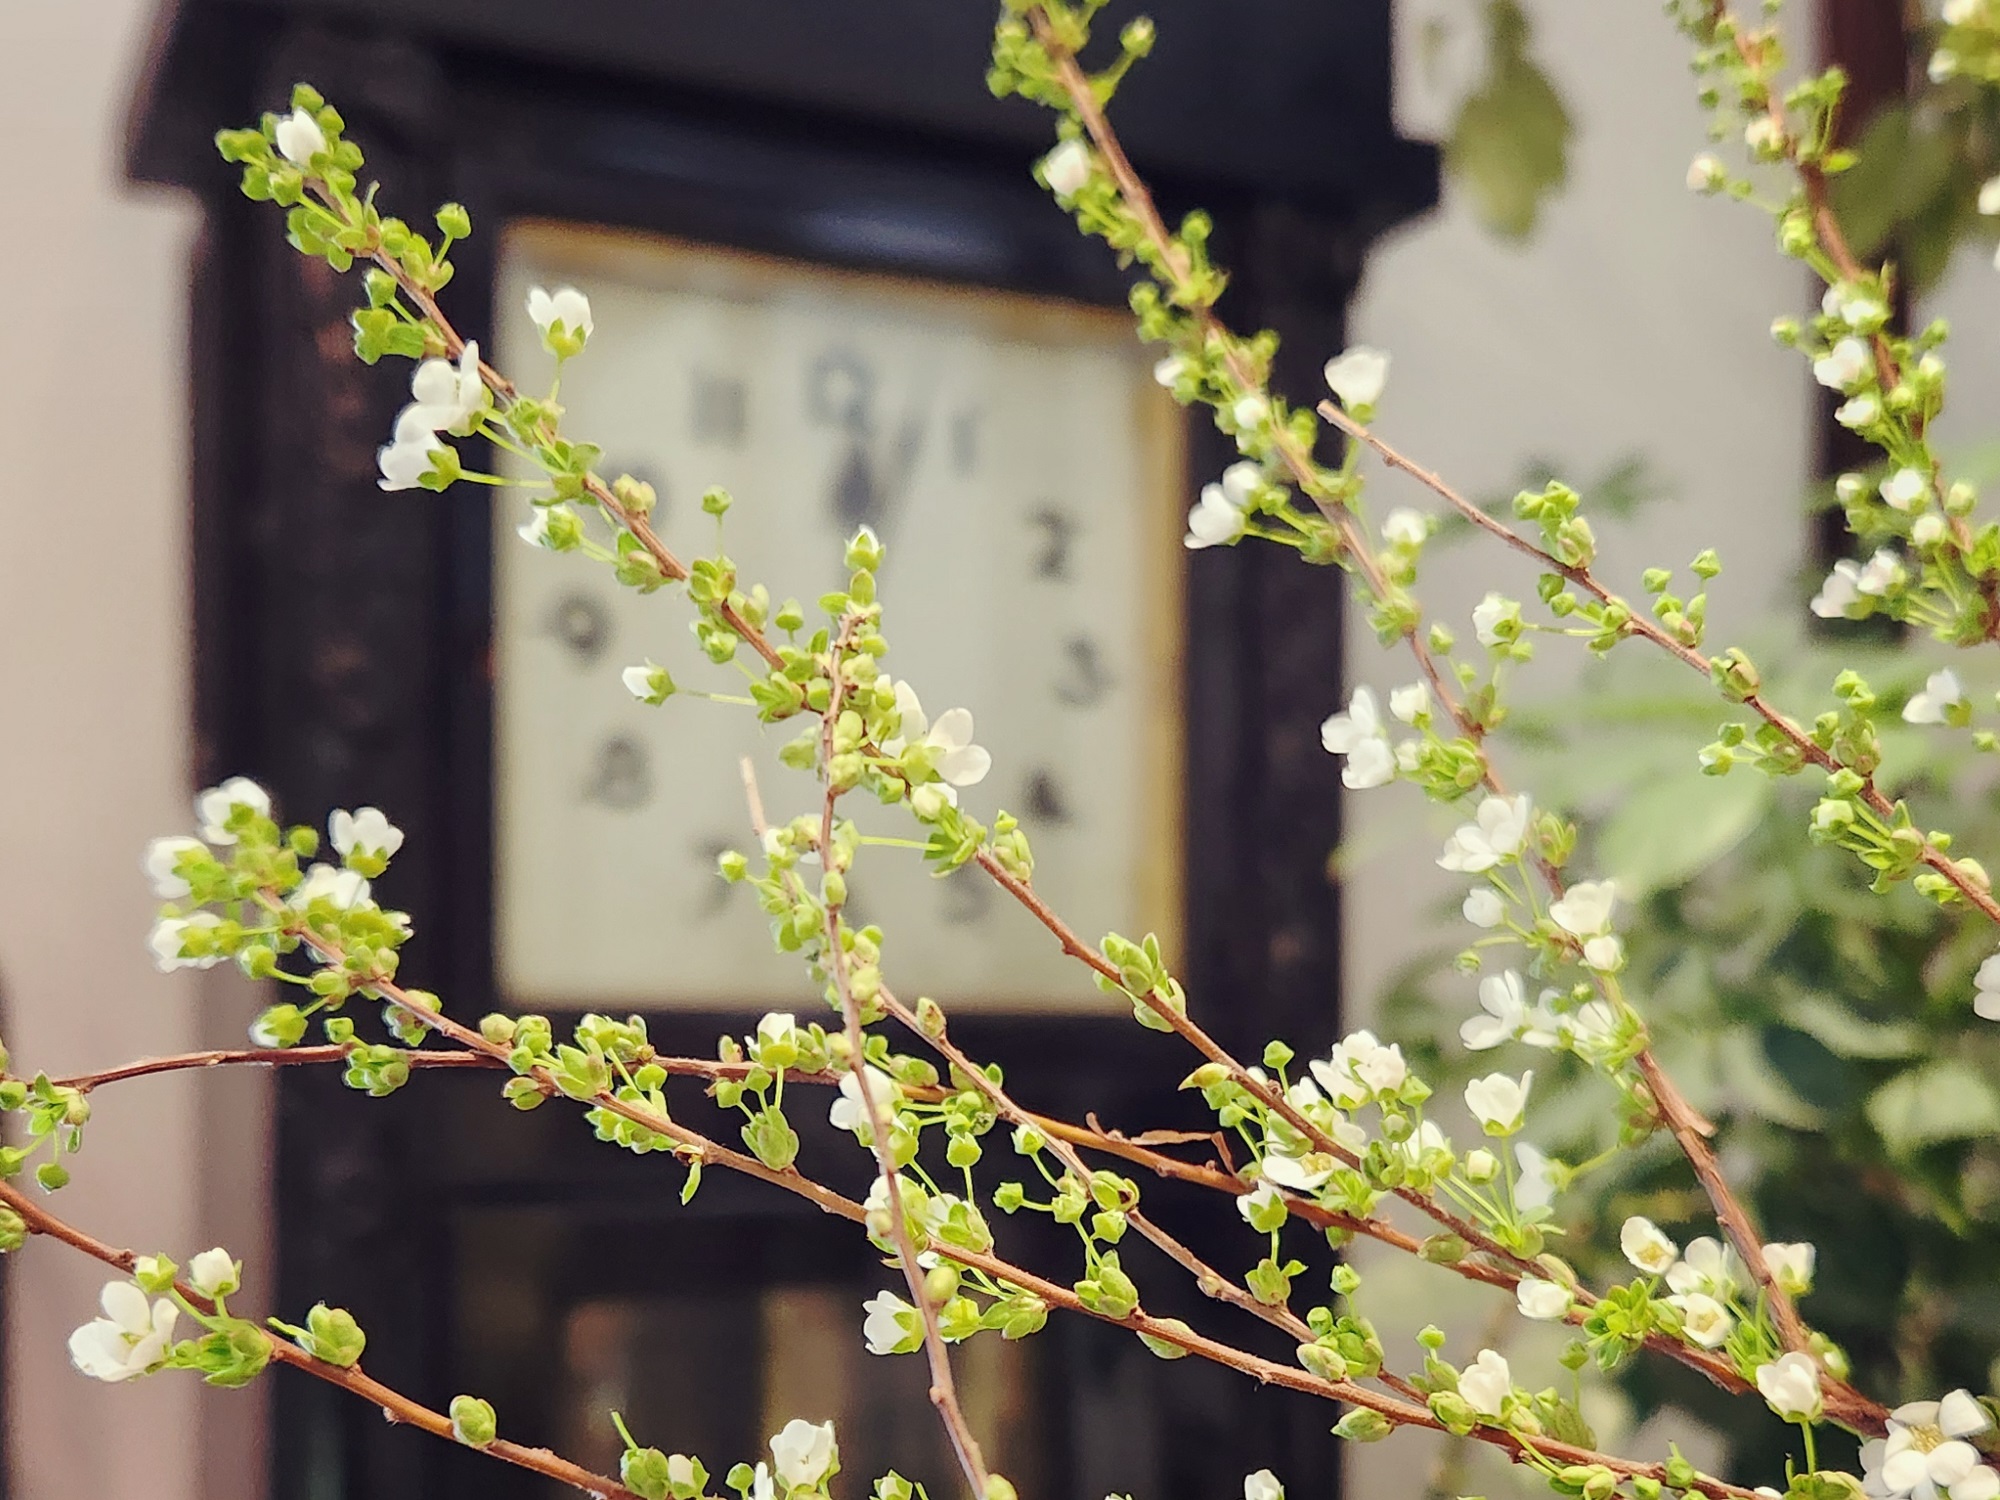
(1510, 143)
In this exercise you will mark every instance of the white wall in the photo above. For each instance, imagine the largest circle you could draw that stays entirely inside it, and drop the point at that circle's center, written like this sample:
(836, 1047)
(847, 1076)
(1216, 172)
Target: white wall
(93, 742)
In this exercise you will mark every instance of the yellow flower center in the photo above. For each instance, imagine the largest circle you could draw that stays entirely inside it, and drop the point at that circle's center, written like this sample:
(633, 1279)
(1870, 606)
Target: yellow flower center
(1926, 1437)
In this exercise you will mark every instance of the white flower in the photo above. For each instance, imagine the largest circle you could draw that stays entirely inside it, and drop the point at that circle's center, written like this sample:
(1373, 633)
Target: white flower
(1989, 196)
(1790, 1386)
(1791, 1265)
(162, 855)
(1255, 1204)
(1585, 909)
(1707, 1265)
(1498, 1101)
(1214, 521)
(1840, 591)
(1169, 371)
(129, 1339)
(1941, 694)
(1302, 1174)
(1483, 908)
(299, 138)
(1881, 573)
(802, 1453)
(1505, 1001)
(1487, 616)
(1404, 527)
(1926, 1452)
(957, 761)
(1534, 1182)
(452, 397)
(1703, 1319)
(892, 1325)
(761, 1487)
(1498, 829)
(537, 530)
(1411, 703)
(1958, 13)
(1857, 308)
(1240, 482)
(1360, 1068)
(1986, 984)
(212, 807)
(214, 1274)
(1928, 530)
(346, 889)
(168, 942)
(1486, 1383)
(1544, 1301)
(1357, 376)
(565, 308)
(1591, 1031)
(1357, 734)
(1705, 174)
(648, 682)
(850, 1110)
(1646, 1247)
(1263, 1485)
(1251, 412)
(366, 829)
(406, 458)
(1764, 135)
(777, 1027)
(1067, 168)
(1864, 410)
(1844, 366)
(1907, 489)
(1943, 64)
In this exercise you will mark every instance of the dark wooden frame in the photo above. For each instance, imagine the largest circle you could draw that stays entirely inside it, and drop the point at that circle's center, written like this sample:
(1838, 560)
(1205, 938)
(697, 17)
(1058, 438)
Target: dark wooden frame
(343, 638)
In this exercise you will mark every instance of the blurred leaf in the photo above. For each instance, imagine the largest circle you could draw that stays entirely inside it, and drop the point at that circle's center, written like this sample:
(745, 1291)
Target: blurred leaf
(1946, 1101)
(1510, 143)
(1906, 187)
(1670, 828)
(1755, 1085)
(1839, 1030)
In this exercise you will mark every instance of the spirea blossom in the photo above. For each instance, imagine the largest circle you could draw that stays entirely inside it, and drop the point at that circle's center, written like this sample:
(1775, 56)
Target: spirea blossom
(1360, 1068)
(213, 807)
(1486, 1383)
(892, 1326)
(1498, 1101)
(1585, 912)
(1844, 366)
(802, 1453)
(366, 830)
(1792, 1265)
(1544, 1301)
(565, 308)
(1906, 489)
(1989, 196)
(1214, 521)
(169, 942)
(1483, 907)
(1934, 704)
(299, 138)
(214, 1274)
(1703, 1319)
(1503, 999)
(1926, 1454)
(1707, 1265)
(406, 458)
(850, 1111)
(1497, 832)
(953, 756)
(131, 1338)
(1404, 527)
(1067, 168)
(1357, 735)
(1263, 1485)
(450, 396)
(1357, 376)
(1986, 989)
(1646, 1247)
(162, 856)
(1790, 1386)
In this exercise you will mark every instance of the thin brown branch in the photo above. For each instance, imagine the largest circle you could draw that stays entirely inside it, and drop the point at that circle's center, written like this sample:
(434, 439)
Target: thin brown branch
(393, 1404)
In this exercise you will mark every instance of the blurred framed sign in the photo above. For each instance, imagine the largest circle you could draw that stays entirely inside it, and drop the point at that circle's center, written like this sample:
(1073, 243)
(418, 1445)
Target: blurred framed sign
(1025, 472)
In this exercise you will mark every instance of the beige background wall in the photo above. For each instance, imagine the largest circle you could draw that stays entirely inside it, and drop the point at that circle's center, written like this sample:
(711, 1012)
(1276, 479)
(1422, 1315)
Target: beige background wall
(1637, 299)
(92, 712)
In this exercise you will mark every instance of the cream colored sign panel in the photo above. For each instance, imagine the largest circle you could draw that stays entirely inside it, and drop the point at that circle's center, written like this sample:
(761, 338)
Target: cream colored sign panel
(1025, 474)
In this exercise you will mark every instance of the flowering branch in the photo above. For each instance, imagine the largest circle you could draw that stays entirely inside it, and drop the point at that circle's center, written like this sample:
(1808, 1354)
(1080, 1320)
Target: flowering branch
(1686, 1125)
(393, 1405)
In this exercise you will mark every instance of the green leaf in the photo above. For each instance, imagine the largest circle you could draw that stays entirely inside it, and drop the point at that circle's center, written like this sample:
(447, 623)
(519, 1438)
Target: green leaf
(1510, 143)
(1671, 827)
(1840, 1031)
(1946, 1101)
